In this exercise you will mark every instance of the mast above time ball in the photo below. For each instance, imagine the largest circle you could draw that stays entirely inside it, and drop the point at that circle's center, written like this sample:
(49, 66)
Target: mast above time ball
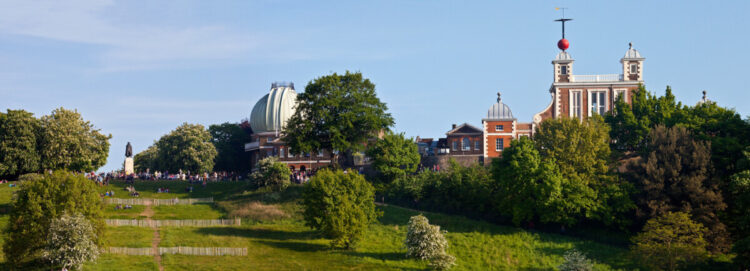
(563, 44)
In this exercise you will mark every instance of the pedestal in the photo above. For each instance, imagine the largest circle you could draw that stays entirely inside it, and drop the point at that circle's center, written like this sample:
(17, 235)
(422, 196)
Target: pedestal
(129, 166)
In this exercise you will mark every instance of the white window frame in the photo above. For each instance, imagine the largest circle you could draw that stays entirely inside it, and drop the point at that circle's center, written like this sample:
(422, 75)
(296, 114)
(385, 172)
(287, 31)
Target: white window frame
(289, 153)
(591, 93)
(499, 127)
(454, 145)
(572, 111)
(465, 144)
(320, 153)
(563, 69)
(623, 91)
(633, 68)
(499, 144)
(281, 152)
(476, 145)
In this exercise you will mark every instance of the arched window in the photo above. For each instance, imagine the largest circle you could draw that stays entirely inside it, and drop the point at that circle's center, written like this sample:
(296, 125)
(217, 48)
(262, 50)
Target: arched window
(465, 144)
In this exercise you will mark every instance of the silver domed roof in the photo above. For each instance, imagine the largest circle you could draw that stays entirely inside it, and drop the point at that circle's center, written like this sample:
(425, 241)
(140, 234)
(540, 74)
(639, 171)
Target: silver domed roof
(564, 56)
(272, 111)
(499, 111)
(632, 53)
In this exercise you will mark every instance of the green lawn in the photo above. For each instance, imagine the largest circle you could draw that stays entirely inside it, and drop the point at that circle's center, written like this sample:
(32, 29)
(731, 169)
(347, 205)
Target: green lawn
(284, 243)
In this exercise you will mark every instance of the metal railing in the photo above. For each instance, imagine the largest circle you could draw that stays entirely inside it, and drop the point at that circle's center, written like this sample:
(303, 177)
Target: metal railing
(156, 202)
(597, 78)
(173, 223)
(199, 251)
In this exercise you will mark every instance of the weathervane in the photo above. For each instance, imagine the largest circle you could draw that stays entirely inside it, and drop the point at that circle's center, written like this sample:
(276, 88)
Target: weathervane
(563, 44)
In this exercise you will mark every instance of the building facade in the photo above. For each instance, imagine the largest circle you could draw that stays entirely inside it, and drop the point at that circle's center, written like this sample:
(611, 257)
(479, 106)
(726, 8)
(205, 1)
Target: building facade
(581, 96)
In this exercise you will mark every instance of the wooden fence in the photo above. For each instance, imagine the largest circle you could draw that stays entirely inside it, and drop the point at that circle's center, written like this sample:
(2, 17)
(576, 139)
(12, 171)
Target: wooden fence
(147, 201)
(174, 223)
(200, 251)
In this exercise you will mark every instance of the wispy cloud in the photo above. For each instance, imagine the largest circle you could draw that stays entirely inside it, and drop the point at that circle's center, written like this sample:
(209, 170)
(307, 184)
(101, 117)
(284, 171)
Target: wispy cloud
(125, 46)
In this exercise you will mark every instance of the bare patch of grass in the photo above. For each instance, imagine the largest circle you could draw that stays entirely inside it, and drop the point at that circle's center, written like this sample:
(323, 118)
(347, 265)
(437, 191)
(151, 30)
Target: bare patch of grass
(258, 211)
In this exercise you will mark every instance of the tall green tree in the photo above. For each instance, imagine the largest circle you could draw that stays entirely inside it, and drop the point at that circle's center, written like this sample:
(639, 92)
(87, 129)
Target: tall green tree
(18, 143)
(147, 159)
(336, 113)
(69, 142)
(229, 140)
(40, 201)
(582, 154)
(339, 205)
(187, 148)
(394, 156)
(739, 211)
(529, 188)
(669, 241)
(627, 131)
(674, 176)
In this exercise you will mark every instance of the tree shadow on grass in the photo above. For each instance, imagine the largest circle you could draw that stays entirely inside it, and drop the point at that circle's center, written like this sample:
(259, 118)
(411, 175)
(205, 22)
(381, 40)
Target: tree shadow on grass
(615, 259)
(295, 246)
(383, 256)
(260, 233)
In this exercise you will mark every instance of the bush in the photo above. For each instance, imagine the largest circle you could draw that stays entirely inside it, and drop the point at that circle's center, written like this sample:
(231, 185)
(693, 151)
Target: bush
(426, 242)
(71, 242)
(670, 240)
(339, 205)
(575, 261)
(41, 201)
(272, 174)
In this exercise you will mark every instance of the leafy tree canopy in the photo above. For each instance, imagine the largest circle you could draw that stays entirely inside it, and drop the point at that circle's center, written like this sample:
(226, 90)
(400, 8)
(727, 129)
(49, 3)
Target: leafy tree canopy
(272, 174)
(18, 143)
(340, 205)
(229, 140)
(674, 176)
(670, 240)
(336, 112)
(71, 143)
(187, 148)
(147, 159)
(394, 156)
(41, 200)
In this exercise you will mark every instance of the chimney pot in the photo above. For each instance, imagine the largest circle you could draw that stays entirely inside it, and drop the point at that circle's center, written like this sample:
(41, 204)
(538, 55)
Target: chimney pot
(454, 126)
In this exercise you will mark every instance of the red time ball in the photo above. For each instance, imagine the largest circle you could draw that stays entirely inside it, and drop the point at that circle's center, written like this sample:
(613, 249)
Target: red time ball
(563, 44)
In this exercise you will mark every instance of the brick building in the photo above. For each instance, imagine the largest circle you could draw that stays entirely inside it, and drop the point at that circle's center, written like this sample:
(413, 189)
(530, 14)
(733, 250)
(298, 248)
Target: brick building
(500, 127)
(581, 96)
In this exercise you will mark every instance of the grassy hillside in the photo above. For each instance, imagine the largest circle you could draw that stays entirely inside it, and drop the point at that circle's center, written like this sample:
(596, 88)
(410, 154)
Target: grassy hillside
(277, 239)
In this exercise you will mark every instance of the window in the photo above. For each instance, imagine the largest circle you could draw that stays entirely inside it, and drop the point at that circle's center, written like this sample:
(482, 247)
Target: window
(269, 139)
(575, 104)
(499, 144)
(320, 153)
(498, 127)
(281, 152)
(455, 145)
(465, 144)
(289, 153)
(633, 68)
(598, 102)
(476, 145)
(564, 69)
(620, 94)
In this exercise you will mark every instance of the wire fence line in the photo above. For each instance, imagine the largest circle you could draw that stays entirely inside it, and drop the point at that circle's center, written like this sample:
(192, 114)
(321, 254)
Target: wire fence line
(199, 251)
(174, 223)
(156, 202)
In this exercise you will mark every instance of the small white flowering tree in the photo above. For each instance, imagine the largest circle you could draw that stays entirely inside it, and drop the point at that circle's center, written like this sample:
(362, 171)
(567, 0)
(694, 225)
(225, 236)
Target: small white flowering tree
(70, 242)
(575, 261)
(426, 242)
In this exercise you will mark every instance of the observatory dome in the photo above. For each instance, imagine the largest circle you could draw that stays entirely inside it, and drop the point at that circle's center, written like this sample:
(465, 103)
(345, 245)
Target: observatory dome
(272, 111)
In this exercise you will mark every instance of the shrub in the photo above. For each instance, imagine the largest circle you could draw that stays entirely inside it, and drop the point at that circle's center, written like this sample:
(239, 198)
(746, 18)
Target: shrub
(670, 240)
(339, 205)
(71, 242)
(575, 261)
(426, 242)
(41, 201)
(272, 174)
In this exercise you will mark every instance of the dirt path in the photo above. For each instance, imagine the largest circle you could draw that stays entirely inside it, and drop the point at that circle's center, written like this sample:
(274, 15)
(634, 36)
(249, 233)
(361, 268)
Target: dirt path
(148, 213)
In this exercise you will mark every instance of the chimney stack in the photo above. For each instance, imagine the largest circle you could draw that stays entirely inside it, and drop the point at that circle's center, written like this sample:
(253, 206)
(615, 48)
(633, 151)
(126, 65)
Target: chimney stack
(454, 126)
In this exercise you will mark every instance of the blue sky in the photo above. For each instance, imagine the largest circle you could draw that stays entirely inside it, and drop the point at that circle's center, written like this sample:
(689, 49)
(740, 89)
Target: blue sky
(138, 69)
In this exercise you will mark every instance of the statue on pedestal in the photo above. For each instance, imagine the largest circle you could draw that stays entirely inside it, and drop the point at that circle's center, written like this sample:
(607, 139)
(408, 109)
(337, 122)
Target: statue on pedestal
(128, 150)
